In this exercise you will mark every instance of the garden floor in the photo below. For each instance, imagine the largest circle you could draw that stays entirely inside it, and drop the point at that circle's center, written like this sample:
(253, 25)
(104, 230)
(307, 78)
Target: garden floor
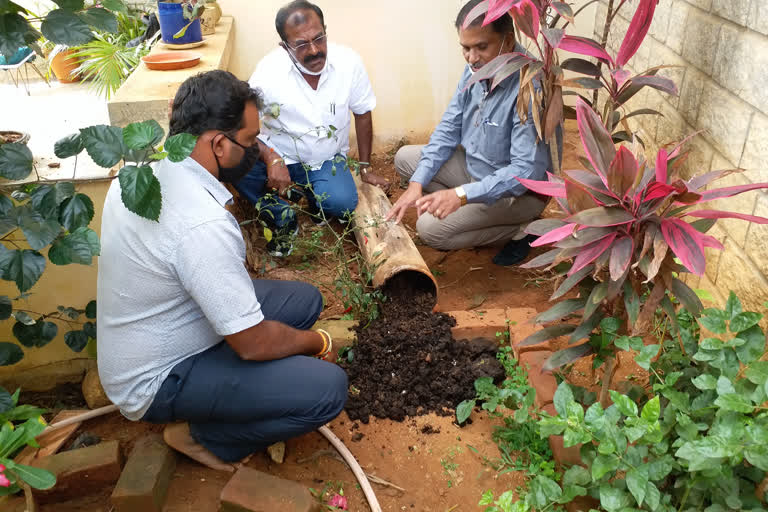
(440, 466)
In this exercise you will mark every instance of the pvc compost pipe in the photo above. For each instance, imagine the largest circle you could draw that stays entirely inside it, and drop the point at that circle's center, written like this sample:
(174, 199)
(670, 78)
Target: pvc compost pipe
(101, 411)
(354, 466)
(386, 243)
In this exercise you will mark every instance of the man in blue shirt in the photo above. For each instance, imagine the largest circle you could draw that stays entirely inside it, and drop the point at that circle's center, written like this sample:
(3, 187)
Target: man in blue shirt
(469, 167)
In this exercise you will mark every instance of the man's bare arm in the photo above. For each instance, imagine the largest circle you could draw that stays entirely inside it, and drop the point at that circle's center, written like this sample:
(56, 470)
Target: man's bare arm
(270, 340)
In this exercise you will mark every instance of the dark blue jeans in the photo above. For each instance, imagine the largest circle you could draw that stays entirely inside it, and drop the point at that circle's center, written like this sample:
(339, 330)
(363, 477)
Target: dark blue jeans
(236, 407)
(331, 188)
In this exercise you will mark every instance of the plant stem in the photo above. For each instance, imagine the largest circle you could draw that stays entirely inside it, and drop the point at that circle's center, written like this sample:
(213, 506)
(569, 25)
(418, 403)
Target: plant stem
(607, 376)
(603, 42)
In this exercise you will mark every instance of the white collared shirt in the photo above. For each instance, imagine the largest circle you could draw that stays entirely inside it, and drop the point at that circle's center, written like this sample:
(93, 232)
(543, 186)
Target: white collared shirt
(168, 290)
(300, 133)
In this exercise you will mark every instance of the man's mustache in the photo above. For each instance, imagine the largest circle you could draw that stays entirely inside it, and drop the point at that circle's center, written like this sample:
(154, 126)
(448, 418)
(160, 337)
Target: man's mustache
(313, 58)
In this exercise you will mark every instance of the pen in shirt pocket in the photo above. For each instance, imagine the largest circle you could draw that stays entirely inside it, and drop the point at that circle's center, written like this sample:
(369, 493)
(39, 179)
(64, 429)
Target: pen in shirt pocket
(333, 108)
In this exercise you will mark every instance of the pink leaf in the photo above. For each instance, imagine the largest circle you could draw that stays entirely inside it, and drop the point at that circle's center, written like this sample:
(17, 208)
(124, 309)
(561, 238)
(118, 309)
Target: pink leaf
(546, 188)
(597, 142)
(526, 18)
(622, 172)
(699, 182)
(661, 166)
(710, 241)
(730, 191)
(621, 257)
(717, 214)
(585, 46)
(338, 501)
(591, 252)
(621, 76)
(553, 36)
(554, 236)
(497, 9)
(475, 13)
(686, 243)
(4, 482)
(637, 31)
(657, 190)
(499, 65)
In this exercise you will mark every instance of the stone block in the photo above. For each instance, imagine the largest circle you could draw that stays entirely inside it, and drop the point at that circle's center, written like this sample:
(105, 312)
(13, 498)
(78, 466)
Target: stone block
(660, 25)
(699, 159)
(678, 20)
(79, 472)
(726, 121)
(711, 287)
(690, 94)
(702, 33)
(704, 5)
(736, 11)
(520, 324)
(758, 17)
(741, 65)
(736, 229)
(660, 55)
(757, 237)
(479, 324)
(544, 382)
(738, 273)
(672, 127)
(619, 27)
(713, 255)
(51, 441)
(144, 482)
(253, 491)
(94, 393)
(755, 156)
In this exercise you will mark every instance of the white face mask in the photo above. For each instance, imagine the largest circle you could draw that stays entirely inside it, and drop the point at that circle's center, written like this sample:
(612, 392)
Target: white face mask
(301, 68)
(472, 71)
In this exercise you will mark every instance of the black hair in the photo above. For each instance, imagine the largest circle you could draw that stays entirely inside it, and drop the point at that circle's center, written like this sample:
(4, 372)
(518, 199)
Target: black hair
(503, 25)
(214, 100)
(297, 5)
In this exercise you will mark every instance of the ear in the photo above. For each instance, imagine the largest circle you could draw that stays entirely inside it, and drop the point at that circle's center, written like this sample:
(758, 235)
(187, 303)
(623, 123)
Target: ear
(217, 144)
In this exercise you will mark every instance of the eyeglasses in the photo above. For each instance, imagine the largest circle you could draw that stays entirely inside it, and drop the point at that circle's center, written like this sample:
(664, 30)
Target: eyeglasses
(319, 40)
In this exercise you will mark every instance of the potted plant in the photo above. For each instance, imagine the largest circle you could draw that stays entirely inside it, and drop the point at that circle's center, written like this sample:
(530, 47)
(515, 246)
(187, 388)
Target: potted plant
(180, 21)
(63, 64)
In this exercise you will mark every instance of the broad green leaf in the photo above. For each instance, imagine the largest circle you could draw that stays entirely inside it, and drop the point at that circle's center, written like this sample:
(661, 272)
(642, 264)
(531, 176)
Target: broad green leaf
(6, 401)
(76, 212)
(622, 343)
(757, 456)
(757, 373)
(652, 496)
(89, 328)
(114, 5)
(548, 333)
(658, 469)
(744, 321)
(65, 27)
(613, 499)
(704, 382)
(643, 359)
(551, 426)
(22, 266)
(712, 344)
(651, 410)
(6, 307)
(576, 475)
(80, 246)
(15, 161)
(23, 317)
(10, 353)
(754, 347)
(559, 311)
(566, 356)
(563, 397)
(551, 489)
(104, 144)
(604, 464)
(735, 402)
(76, 340)
(606, 447)
(35, 477)
(45, 199)
(68, 146)
(625, 404)
(724, 386)
(713, 320)
(594, 416)
(732, 307)
(180, 146)
(637, 483)
(70, 5)
(38, 334)
(143, 135)
(631, 302)
(90, 310)
(486, 498)
(99, 18)
(464, 410)
(687, 297)
(140, 191)
(38, 231)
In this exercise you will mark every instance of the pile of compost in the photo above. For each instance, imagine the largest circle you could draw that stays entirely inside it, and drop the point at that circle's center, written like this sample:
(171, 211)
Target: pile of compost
(406, 363)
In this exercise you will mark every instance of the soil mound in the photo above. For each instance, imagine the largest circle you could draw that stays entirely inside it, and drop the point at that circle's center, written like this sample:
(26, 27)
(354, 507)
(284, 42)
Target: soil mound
(406, 363)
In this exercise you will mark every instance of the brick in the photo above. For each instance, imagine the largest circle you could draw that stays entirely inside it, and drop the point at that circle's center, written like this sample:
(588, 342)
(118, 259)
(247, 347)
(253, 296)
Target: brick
(544, 382)
(479, 324)
(726, 121)
(678, 20)
(81, 471)
(253, 491)
(690, 94)
(51, 441)
(755, 157)
(738, 273)
(757, 238)
(736, 229)
(700, 40)
(758, 17)
(520, 324)
(704, 5)
(660, 25)
(144, 482)
(741, 65)
(736, 11)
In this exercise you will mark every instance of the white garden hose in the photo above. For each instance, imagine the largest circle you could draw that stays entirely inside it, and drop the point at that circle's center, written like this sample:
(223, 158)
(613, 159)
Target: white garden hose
(354, 466)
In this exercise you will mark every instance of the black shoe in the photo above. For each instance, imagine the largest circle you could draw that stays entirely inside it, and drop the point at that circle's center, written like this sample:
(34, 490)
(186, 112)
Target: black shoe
(281, 244)
(514, 252)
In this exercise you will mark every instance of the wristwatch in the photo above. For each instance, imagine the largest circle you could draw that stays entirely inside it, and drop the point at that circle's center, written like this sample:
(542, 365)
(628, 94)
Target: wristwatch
(462, 195)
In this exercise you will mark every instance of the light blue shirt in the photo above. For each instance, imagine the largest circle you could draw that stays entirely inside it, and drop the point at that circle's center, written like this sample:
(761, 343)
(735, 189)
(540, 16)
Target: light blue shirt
(498, 146)
(168, 290)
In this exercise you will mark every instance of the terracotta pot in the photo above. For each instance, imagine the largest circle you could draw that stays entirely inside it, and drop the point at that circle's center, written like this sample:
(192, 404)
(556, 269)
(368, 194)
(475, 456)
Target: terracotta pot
(210, 17)
(14, 136)
(63, 66)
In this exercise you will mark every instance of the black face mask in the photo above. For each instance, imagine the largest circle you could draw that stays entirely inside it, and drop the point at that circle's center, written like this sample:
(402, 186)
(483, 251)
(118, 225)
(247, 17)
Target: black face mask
(236, 173)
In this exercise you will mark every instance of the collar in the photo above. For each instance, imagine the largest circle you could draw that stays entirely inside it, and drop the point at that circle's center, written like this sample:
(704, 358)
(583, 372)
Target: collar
(207, 180)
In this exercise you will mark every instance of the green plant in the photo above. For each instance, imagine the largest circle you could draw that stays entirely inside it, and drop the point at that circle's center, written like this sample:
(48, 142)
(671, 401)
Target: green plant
(39, 215)
(20, 425)
(698, 441)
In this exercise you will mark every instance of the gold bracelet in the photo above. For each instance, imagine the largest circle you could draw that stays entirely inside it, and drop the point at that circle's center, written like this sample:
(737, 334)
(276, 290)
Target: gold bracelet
(327, 343)
(277, 160)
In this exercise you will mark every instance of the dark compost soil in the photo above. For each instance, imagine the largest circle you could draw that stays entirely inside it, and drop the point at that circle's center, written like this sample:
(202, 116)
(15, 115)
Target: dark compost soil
(406, 363)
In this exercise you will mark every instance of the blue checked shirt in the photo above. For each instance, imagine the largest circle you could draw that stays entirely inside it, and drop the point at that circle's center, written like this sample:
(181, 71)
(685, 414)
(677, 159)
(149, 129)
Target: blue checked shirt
(498, 146)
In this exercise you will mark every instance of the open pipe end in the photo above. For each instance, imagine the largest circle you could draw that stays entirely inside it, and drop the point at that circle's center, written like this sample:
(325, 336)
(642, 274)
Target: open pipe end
(409, 282)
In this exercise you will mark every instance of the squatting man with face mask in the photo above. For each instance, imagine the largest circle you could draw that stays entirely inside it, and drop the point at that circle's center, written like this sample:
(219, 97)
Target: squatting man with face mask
(310, 86)
(185, 335)
(469, 166)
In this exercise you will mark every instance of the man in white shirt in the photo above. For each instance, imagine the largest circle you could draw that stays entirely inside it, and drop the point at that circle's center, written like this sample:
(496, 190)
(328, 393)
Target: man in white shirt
(184, 334)
(310, 87)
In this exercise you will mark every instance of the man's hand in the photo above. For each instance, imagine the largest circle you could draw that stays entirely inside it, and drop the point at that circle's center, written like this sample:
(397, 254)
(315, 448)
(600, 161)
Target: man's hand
(406, 201)
(440, 204)
(375, 180)
(278, 177)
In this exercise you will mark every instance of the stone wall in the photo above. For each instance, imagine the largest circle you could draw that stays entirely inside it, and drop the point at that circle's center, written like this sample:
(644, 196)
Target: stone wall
(721, 48)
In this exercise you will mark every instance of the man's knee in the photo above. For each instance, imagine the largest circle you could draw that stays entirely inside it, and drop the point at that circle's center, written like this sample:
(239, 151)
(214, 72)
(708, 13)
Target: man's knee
(335, 385)
(340, 203)
(434, 232)
(406, 160)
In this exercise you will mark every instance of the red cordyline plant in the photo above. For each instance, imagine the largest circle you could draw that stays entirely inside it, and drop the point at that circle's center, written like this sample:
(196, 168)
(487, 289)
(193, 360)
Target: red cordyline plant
(628, 227)
(542, 76)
